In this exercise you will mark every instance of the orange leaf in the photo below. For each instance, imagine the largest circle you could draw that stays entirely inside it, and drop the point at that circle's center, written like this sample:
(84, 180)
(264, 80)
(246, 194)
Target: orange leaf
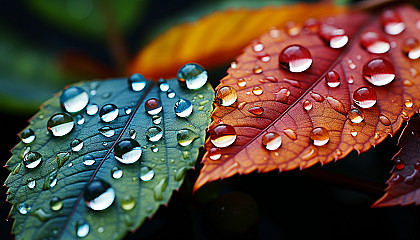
(218, 38)
(316, 120)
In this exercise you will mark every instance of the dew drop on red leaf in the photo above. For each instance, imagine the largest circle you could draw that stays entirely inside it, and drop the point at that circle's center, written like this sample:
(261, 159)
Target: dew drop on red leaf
(223, 135)
(365, 97)
(374, 43)
(295, 58)
(411, 47)
(379, 71)
(320, 136)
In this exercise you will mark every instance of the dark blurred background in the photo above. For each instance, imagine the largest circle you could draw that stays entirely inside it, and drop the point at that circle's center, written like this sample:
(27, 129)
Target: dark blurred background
(45, 45)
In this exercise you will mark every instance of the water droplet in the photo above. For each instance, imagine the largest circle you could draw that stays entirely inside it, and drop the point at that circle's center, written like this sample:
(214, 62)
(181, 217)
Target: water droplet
(192, 76)
(257, 46)
(335, 37)
(74, 99)
(132, 133)
(295, 58)
(350, 79)
(82, 229)
(159, 189)
(320, 136)
(76, 145)
(62, 157)
(27, 136)
(163, 85)
(157, 119)
(92, 109)
(374, 43)
(257, 90)
(310, 153)
(80, 120)
(290, 133)
(108, 112)
(333, 79)
(379, 71)
(353, 132)
(355, 116)
(116, 173)
(98, 195)
(241, 82)
(88, 160)
(127, 151)
(170, 93)
(56, 204)
(24, 208)
(317, 97)
(183, 108)
(223, 135)
(127, 110)
(256, 110)
(154, 134)
(311, 25)
(404, 115)
(407, 83)
(377, 135)
(186, 136)
(32, 160)
(60, 124)
(384, 120)
(411, 47)
(146, 173)
(153, 106)
(292, 28)
(282, 95)
(399, 164)
(214, 153)
(391, 22)
(263, 57)
(365, 97)
(136, 82)
(271, 141)
(307, 105)
(31, 184)
(128, 202)
(337, 105)
(16, 168)
(226, 95)
(107, 131)
(234, 64)
(408, 103)
(257, 69)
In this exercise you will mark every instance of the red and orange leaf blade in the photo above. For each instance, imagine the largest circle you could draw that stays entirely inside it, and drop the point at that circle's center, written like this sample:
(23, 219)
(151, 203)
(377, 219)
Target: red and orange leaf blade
(284, 95)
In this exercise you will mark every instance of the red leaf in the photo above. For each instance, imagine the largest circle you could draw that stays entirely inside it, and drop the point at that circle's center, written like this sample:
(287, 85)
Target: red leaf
(303, 108)
(404, 184)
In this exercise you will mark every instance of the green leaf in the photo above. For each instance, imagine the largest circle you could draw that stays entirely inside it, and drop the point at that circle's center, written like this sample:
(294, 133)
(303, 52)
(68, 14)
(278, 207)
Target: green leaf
(61, 177)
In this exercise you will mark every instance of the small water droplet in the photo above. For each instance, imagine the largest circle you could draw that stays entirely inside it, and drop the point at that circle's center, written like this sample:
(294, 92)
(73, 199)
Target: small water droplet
(384, 120)
(295, 58)
(192, 76)
(365, 97)
(31, 184)
(107, 131)
(108, 112)
(98, 195)
(55, 203)
(374, 43)
(226, 95)
(292, 28)
(80, 120)
(290, 133)
(27, 136)
(407, 83)
(159, 189)
(263, 56)
(157, 119)
(317, 97)
(311, 25)
(223, 135)
(88, 160)
(214, 153)
(136, 82)
(92, 109)
(234, 65)
(76, 145)
(353, 132)
(335, 37)
(241, 82)
(399, 164)
(257, 69)
(257, 46)
(333, 79)
(404, 115)
(377, 135)
(60, 124)
(283, 95)
(408, 103)
(337, 105)
(74, 99)
(127, 110)
(310, 153)
(411, 47)
(379, 71)
(257, 90)
(186, 136)
(127, 151)
(183, 108)
(271, 141)
(24, 208)
(154, 134)
(132, 133)
(32, 160)
(128, 202)
(350, 79)
(62, 157)
(146, 173)
(116, 173)
(391, 22)
(163, 85)
(320, 136)
(153, 106)
(355, 116)
(170, 93)
(256, 110)
(307, 105)
(82, 229)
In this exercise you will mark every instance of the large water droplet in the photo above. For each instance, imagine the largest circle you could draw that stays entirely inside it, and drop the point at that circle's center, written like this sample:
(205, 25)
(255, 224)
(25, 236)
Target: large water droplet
(127, 151)
(92, 109)
(116, 173)
(295, 58)
(256, 110)
(24, 208)
(98, 195)
(379, 71)
(74, 99)
(226, 95)
(365, 97)
(76, 145)
(355, 116)
(136, 82)
(60, 124)
(183, 108)
(154, 134)
(186, 136)
(32, 160)
(128, 202)
(320, 136)
(146, 174)
(107, 131)
(374, 43)
(271, 141)
(55, 203)
(223, 135)
(335, 37)
(108, 112)
(27, 136)
(153, 106)
(391, 22)
(82, 229)
(411, 47)
(192, 76)
(333, 79)
(214, 154)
